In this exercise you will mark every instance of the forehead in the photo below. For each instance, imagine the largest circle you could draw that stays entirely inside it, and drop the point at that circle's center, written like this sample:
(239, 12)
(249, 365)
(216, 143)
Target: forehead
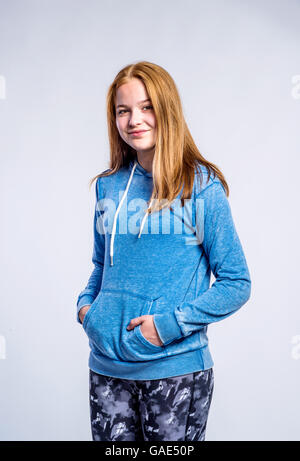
(132, 92)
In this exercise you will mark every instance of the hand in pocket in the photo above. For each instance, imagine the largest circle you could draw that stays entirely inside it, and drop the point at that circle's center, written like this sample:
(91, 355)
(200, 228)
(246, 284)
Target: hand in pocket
(148, 329)
(83, 312)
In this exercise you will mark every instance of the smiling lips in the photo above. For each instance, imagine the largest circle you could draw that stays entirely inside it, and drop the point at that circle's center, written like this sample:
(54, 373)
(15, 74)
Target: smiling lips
(138, 133)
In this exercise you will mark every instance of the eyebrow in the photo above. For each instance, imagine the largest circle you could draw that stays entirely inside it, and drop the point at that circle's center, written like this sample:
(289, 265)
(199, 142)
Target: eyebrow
(140, 102)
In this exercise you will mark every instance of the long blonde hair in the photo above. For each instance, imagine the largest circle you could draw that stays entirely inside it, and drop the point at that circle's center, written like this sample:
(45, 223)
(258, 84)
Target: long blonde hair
(176, 154)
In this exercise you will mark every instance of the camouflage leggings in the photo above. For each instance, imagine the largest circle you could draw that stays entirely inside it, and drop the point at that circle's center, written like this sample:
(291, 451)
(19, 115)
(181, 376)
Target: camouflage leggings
(172, 409)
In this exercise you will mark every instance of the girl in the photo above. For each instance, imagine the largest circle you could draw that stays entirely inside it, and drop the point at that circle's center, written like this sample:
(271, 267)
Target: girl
(162, 223)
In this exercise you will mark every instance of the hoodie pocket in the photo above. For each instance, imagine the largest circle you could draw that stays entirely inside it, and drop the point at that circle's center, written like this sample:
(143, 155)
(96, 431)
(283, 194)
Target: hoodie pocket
(89, 312)
(182, 345)
(108, 317)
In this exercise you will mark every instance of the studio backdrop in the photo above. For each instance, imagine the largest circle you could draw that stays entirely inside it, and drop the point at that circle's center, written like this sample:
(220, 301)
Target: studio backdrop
(237, 68)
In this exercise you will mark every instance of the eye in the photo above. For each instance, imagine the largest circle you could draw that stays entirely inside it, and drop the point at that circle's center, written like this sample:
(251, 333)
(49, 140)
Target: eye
(125, 110)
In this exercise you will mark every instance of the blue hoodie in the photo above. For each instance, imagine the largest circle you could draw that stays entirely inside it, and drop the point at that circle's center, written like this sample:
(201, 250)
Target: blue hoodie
(160, 264)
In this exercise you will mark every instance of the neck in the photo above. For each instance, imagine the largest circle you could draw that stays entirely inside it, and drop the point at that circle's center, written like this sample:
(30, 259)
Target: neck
(145, 159)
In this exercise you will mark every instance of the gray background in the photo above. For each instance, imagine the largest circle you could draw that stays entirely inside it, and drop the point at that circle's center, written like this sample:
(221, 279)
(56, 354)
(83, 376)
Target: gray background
(236, 65)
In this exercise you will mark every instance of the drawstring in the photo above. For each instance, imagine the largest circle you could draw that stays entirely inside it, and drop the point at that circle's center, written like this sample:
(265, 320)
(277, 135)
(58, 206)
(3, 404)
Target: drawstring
(116, 216)
(144, 219)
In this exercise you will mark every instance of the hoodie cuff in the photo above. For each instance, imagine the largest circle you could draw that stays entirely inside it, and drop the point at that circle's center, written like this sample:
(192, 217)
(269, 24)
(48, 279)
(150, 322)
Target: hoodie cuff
(85, 300)
(167, 327)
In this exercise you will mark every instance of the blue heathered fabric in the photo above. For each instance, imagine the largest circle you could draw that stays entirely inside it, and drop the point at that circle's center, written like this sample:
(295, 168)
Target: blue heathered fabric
(164, 273)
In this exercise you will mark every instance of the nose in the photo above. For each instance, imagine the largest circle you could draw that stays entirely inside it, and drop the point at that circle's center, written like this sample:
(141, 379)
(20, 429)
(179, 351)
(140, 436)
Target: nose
(135, 118)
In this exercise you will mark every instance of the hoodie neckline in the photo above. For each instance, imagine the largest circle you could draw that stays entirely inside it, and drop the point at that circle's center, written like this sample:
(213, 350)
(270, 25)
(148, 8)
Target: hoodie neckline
(134, 166)
(139, 169)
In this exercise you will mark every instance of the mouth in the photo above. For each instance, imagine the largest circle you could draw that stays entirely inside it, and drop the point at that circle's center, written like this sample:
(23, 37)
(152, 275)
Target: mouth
(138, 133)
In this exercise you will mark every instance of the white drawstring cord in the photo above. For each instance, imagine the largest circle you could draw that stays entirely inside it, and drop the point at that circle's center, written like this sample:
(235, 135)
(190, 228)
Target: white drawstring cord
(144, 219)
(116, 215)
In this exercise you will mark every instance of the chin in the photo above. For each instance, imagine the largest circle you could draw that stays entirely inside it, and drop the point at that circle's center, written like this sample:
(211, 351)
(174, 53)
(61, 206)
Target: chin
(142, 145)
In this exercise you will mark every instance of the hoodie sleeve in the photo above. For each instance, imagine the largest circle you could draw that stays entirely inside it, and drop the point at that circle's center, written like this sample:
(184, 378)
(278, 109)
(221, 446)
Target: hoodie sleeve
(92, 288)
(224, 252)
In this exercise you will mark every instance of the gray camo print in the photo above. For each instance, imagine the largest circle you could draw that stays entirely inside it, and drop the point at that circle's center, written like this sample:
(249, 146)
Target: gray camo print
(169, 409)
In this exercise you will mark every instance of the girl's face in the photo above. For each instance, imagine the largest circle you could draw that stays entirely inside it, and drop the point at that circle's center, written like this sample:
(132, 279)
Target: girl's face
(134, 112)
